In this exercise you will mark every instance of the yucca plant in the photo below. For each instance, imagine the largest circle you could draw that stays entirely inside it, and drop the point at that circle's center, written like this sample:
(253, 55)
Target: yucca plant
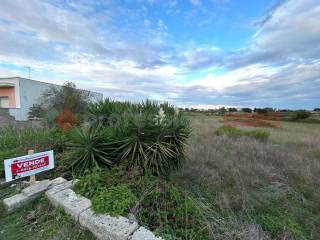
(154, 145)
(147, 134)
(90, 149)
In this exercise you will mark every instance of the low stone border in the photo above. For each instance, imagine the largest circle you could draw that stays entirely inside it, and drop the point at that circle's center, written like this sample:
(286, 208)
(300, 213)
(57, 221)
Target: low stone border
(103, 226)
(30, 193)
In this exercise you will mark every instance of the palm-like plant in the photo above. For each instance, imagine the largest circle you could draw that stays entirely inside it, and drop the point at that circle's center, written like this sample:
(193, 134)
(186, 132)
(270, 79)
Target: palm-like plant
(146, 134)
(90, 149)
(153, 145)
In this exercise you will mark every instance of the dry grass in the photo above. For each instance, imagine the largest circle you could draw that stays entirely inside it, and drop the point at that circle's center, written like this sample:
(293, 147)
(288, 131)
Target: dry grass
(239, 181)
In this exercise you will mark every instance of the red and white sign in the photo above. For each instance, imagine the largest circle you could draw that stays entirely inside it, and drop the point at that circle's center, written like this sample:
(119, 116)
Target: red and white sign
(28, 165)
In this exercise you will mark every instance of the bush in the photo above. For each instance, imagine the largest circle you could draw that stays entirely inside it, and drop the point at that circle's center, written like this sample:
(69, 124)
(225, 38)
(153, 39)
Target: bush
(115, 200)
(147, 134)
(15, 142)
(258, 134)
(6, 154)
(229, 130)
(156, 203)
(29, 138)
(299, 115)
(90, 184)
(168, 212)
(89, 149)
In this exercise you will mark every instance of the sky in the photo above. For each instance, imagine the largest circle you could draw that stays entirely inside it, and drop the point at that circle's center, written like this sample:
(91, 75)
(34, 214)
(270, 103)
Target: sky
(192, 53)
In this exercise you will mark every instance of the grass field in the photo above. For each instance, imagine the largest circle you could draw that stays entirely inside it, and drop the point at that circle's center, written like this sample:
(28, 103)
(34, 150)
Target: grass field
(255, 190)
(39, 220)
(247, 188)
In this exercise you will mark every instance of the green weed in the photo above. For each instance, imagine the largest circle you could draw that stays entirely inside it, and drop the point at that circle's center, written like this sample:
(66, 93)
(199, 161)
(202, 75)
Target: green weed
(115, 201)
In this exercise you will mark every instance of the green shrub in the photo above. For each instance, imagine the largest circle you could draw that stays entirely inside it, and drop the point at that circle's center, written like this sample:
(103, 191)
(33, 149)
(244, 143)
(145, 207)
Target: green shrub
(16, 142)
(299, 115)
(148, 134)
(168, 212)
(29, 138)
(258, 134)
(229, 130)
(89, 149)
(156, 204)
(6, 154)
(90, 184)
(115, 201)
(278, 223)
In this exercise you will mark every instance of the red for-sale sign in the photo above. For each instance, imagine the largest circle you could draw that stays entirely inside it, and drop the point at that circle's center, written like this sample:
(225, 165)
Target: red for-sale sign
(28, 165)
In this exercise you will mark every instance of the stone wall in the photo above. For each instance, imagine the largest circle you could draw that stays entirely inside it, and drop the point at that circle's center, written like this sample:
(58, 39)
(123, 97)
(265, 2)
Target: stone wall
(60, 194)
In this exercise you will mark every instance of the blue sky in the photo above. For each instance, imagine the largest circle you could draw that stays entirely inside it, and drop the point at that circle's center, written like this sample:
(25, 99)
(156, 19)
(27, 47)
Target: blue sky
(189, 52)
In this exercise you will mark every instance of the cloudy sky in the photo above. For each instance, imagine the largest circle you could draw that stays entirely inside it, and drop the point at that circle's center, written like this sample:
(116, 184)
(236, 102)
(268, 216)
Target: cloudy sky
(189, 52)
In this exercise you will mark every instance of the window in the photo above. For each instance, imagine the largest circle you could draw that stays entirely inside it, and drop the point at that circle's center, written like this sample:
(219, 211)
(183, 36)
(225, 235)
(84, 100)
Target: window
(4, 102)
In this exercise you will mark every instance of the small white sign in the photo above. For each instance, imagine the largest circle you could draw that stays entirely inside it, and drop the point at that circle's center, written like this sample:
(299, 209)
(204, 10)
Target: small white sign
(28, 165)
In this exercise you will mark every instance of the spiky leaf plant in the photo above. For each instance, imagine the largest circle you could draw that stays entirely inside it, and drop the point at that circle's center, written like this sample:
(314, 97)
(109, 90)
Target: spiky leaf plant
(90, 149)
(147, 134)
(157, 145)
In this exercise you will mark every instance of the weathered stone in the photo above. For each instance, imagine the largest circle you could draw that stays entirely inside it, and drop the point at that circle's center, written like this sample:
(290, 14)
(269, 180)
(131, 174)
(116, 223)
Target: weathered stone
(15, 201)
(56, 181)
(72, 204)
(36, 189)
(105, 227)
(144, 234)
(59, 188)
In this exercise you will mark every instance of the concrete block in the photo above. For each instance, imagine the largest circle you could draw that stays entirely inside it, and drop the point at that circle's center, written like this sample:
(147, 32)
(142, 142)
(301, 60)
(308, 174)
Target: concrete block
(36, 189)
(56, 181)
(105, 227)
(72, 204)
(15, 201)
(144, 234)
(59, 188)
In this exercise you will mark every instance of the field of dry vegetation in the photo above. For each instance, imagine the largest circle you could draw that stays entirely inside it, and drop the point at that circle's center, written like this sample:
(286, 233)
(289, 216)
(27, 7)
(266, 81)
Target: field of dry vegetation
(252, 189)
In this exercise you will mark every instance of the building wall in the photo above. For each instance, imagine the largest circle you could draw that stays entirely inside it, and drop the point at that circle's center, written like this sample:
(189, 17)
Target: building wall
(30, 92)
(10, 87)
(8, 92)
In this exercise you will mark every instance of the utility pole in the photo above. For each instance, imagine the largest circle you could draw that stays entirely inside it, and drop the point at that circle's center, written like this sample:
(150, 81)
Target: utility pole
(29, 68)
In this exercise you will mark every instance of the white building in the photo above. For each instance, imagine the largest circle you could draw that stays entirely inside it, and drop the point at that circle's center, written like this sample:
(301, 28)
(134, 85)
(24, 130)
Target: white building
(19, 94)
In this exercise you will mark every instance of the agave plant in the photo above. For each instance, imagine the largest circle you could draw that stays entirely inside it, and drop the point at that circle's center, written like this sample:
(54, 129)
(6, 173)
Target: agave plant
(90, 149)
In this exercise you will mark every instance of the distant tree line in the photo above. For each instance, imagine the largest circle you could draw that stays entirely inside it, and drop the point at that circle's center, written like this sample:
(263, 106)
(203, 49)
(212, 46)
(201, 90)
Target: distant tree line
(284, 113)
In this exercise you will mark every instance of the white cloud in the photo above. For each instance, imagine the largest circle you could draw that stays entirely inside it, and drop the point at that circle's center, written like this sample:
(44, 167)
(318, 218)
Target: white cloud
(196, 2)
(60, 42)
(254, 74)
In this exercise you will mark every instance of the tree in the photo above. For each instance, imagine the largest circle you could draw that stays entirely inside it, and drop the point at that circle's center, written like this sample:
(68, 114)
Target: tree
(36, 111)
(247, 110)
(232, 109)
(66, 97)
(316, 109)
(58, 100)
(300, 114)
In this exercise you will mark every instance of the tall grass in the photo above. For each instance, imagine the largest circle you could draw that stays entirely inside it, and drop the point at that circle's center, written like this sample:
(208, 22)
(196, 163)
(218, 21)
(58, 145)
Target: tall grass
(17, 141)
(251, 189)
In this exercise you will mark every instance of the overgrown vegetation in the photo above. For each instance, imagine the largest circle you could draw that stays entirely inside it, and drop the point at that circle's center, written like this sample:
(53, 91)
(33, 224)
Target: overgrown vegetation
(250, 189)
(56, 100)
(129, 158)
(156, 203)
(299, 115)
(149, 135)
(259, 134)
(39, 220)
(16, 142)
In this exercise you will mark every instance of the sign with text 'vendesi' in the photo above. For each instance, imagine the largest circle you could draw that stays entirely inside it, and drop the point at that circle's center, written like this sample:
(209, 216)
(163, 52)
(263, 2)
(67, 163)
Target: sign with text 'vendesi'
(28, 165)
